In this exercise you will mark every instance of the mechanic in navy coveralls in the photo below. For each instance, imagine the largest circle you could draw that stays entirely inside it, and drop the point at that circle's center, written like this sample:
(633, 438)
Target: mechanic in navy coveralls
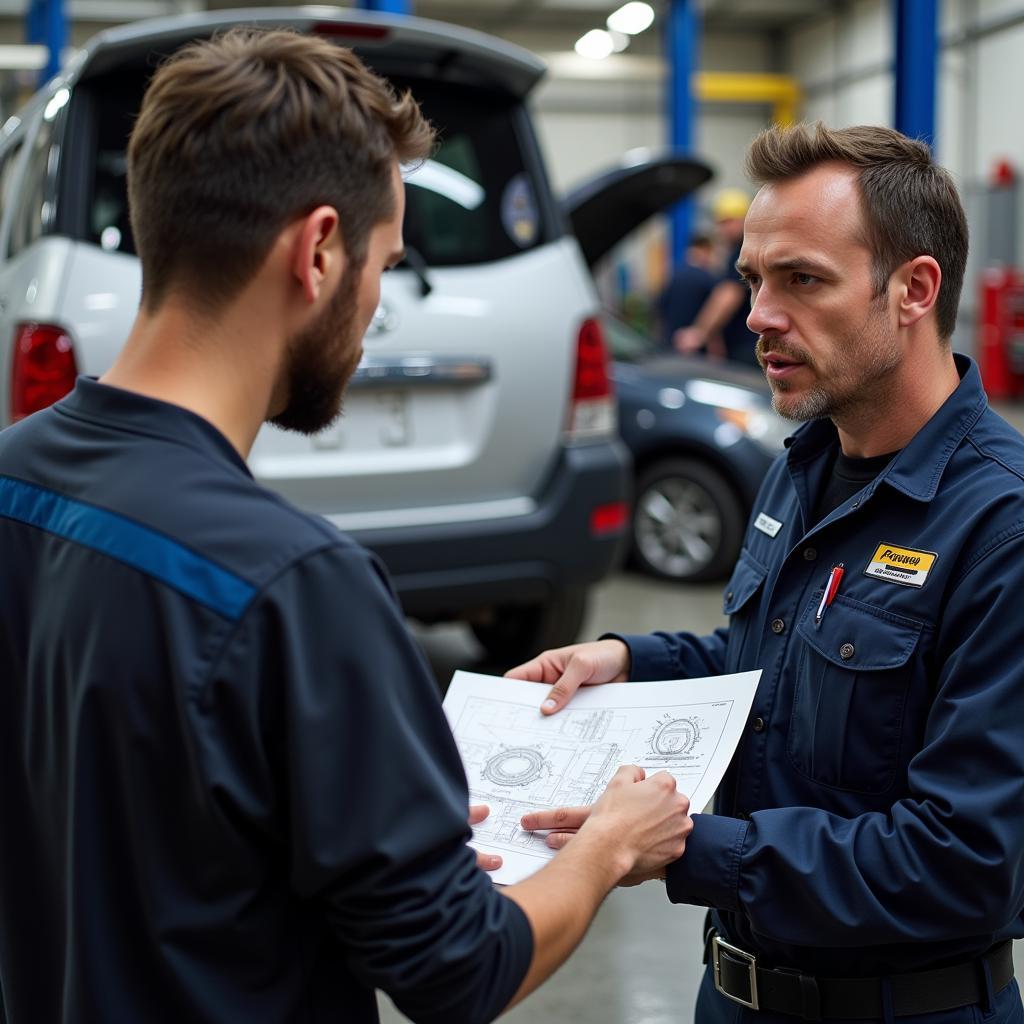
(866, 857)
(228, 792)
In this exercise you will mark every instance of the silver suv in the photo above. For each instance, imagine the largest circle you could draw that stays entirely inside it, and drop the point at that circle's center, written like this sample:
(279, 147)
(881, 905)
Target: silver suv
(477, 452)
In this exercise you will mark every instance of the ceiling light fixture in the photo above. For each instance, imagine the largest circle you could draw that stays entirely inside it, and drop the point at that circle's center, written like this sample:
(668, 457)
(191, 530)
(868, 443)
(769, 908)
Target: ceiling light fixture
(596, 44)
(632, 18)
(620, 41)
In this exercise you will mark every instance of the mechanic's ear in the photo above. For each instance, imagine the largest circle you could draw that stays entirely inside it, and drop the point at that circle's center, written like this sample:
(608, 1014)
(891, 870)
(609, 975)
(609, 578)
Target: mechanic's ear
(316, 249)
(919, 280)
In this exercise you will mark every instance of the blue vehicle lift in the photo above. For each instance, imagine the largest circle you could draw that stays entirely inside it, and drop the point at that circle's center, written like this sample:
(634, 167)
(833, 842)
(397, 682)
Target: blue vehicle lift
(46, 24)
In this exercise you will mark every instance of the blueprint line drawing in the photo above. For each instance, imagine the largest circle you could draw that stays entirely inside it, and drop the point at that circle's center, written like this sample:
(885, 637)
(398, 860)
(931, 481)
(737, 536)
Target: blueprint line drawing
(517, 760)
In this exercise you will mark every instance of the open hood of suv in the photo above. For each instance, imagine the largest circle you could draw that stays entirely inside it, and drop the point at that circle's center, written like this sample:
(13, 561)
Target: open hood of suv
(604, 209)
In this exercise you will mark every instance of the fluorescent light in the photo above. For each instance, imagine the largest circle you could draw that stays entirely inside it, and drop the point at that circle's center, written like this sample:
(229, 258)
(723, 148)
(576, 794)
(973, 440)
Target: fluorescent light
(596, 44)
(632, 18)
(620, 41)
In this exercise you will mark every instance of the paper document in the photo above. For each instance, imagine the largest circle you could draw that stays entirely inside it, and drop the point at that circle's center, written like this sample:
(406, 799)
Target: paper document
(518, 760)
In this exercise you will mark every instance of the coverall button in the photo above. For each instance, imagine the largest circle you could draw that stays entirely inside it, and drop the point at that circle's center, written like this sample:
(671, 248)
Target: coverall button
(847, 651)
(810, 554)
(728, 596)
(758, 724)
(778, 626)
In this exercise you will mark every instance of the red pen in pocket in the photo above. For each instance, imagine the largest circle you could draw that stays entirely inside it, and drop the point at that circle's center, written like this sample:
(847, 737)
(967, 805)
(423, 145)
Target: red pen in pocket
(830, 592)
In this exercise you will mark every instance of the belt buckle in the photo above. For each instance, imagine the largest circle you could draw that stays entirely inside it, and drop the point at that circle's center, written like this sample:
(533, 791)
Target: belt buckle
(717, 945)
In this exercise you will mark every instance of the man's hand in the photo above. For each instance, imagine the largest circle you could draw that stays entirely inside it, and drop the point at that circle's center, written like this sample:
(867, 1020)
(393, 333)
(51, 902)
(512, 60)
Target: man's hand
(646, 820)
(487, 861)
(569, 668)
(688, 340)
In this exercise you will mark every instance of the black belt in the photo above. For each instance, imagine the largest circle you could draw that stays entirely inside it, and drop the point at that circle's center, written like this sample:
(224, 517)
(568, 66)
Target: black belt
(738, 976)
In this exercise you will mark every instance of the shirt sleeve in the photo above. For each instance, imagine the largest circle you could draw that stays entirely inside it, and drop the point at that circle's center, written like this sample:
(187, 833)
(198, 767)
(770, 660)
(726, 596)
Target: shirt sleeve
(674, 655)
(369, 798)
(946, 861)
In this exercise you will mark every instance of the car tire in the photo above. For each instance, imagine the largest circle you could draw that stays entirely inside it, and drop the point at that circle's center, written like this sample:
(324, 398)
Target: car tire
(687, 522)
(516, 632)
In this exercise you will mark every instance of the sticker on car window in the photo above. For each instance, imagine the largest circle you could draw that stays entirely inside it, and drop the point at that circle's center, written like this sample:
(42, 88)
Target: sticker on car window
(519, 212)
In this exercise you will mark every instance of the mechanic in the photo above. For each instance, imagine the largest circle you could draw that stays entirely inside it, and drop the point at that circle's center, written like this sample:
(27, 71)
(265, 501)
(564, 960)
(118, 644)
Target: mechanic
(719, 325)
(228, 791)
(687, 290)
(866, 859)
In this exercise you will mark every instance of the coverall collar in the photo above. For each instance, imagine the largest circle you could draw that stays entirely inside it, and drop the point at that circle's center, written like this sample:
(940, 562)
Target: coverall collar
(918, 468)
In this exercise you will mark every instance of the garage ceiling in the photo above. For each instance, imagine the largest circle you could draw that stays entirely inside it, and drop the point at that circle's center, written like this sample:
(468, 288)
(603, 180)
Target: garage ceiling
(490, 15)
(511, 15)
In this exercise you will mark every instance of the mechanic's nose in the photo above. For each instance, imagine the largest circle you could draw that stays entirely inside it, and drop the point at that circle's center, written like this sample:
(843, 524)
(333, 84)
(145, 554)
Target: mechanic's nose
(766, 313)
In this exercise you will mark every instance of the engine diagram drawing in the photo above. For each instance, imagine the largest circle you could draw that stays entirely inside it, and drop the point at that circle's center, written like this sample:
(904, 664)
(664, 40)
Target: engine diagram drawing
(515, 766)
(675, 737)
(518, 760)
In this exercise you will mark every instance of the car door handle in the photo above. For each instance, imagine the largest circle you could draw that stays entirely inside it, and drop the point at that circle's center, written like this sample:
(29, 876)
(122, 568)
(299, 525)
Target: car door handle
(420, 371)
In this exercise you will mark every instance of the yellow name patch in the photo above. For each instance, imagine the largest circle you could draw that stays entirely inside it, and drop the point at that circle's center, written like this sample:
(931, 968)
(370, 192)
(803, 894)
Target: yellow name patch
(906, 566)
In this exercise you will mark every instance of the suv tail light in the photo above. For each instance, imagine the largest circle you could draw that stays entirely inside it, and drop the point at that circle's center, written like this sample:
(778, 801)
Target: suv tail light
(593, 401)
(43, 369)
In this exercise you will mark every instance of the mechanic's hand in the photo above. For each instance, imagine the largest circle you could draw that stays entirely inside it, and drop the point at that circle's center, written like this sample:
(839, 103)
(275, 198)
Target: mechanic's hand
(569, 668)
(487, 861)
(688, 340)
(645, 820)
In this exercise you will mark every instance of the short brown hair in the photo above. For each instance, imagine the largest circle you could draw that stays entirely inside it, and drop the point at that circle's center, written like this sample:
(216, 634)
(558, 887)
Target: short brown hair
(911, 205)
(240, 134)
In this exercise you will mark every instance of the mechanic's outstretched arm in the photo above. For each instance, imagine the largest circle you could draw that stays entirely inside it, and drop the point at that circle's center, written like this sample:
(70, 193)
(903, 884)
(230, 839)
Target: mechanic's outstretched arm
(609, 660)
(637, 827)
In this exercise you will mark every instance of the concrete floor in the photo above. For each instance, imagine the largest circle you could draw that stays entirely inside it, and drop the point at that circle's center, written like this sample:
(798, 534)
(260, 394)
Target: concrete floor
(640, 962)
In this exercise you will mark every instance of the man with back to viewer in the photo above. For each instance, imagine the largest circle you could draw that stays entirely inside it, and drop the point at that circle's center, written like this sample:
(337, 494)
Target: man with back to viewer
(227, 789)
(866, 860)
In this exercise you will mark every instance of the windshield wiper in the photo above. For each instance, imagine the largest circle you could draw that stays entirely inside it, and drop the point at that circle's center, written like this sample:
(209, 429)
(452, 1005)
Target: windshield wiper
(418, 265)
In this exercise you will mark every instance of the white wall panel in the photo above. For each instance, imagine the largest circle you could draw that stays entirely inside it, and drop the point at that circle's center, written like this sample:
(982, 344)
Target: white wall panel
(1000, 87)
(811, 51)
(865, 35)
(866, 101)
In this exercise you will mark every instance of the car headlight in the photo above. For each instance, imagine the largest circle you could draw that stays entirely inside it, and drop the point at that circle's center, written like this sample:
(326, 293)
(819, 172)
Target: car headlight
(766, 429)
(744, 411)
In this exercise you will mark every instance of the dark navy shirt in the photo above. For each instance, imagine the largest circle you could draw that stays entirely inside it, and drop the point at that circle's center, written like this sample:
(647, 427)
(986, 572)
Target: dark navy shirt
(872, 820)
(227, 788)
(682, 299)
(740, 341)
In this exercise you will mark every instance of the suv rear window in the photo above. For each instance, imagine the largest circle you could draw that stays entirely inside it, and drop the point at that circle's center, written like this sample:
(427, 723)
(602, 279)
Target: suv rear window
(473, 201)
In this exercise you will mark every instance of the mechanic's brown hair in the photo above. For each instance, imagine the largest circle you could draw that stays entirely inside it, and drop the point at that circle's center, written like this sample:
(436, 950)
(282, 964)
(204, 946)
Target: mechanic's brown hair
(911, 206)
(243, 133)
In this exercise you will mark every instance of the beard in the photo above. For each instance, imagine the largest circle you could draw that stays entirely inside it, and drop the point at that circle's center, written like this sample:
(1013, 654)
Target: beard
(321, 359)
(858, 375)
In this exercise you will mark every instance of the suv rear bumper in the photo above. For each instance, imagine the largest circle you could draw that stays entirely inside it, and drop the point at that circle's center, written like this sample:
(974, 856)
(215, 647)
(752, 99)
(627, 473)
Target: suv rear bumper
(446, 570)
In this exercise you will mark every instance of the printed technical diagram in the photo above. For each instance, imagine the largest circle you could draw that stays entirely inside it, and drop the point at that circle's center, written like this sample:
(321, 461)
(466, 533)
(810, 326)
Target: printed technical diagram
(517, 760)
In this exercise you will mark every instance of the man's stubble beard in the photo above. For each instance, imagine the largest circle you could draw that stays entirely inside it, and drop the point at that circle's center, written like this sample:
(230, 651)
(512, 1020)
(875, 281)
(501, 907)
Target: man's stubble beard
(321, 360)
(860, 380)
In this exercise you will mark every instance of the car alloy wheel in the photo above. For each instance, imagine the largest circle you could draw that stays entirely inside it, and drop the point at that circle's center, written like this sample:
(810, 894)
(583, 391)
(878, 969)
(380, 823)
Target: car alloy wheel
(687, 521)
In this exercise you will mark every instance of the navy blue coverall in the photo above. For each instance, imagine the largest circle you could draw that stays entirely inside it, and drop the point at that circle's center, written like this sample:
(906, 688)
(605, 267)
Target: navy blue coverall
(872, 821)
(228, 791)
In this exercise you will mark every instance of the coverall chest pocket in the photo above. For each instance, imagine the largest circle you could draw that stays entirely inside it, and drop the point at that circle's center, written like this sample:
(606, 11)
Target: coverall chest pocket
(853, 672)
(739, 604)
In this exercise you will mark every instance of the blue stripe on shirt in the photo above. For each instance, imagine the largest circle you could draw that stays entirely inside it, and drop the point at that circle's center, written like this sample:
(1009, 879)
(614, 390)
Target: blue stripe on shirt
(138, 546)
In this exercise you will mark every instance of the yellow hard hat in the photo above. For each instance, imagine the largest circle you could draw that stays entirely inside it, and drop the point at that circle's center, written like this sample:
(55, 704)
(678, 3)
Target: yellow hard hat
(730, 203)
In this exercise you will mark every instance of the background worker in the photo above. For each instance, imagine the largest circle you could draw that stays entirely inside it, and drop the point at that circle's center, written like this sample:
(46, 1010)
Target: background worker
(720, 324)
(688, 288)
(866, 857)
(228, 791)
